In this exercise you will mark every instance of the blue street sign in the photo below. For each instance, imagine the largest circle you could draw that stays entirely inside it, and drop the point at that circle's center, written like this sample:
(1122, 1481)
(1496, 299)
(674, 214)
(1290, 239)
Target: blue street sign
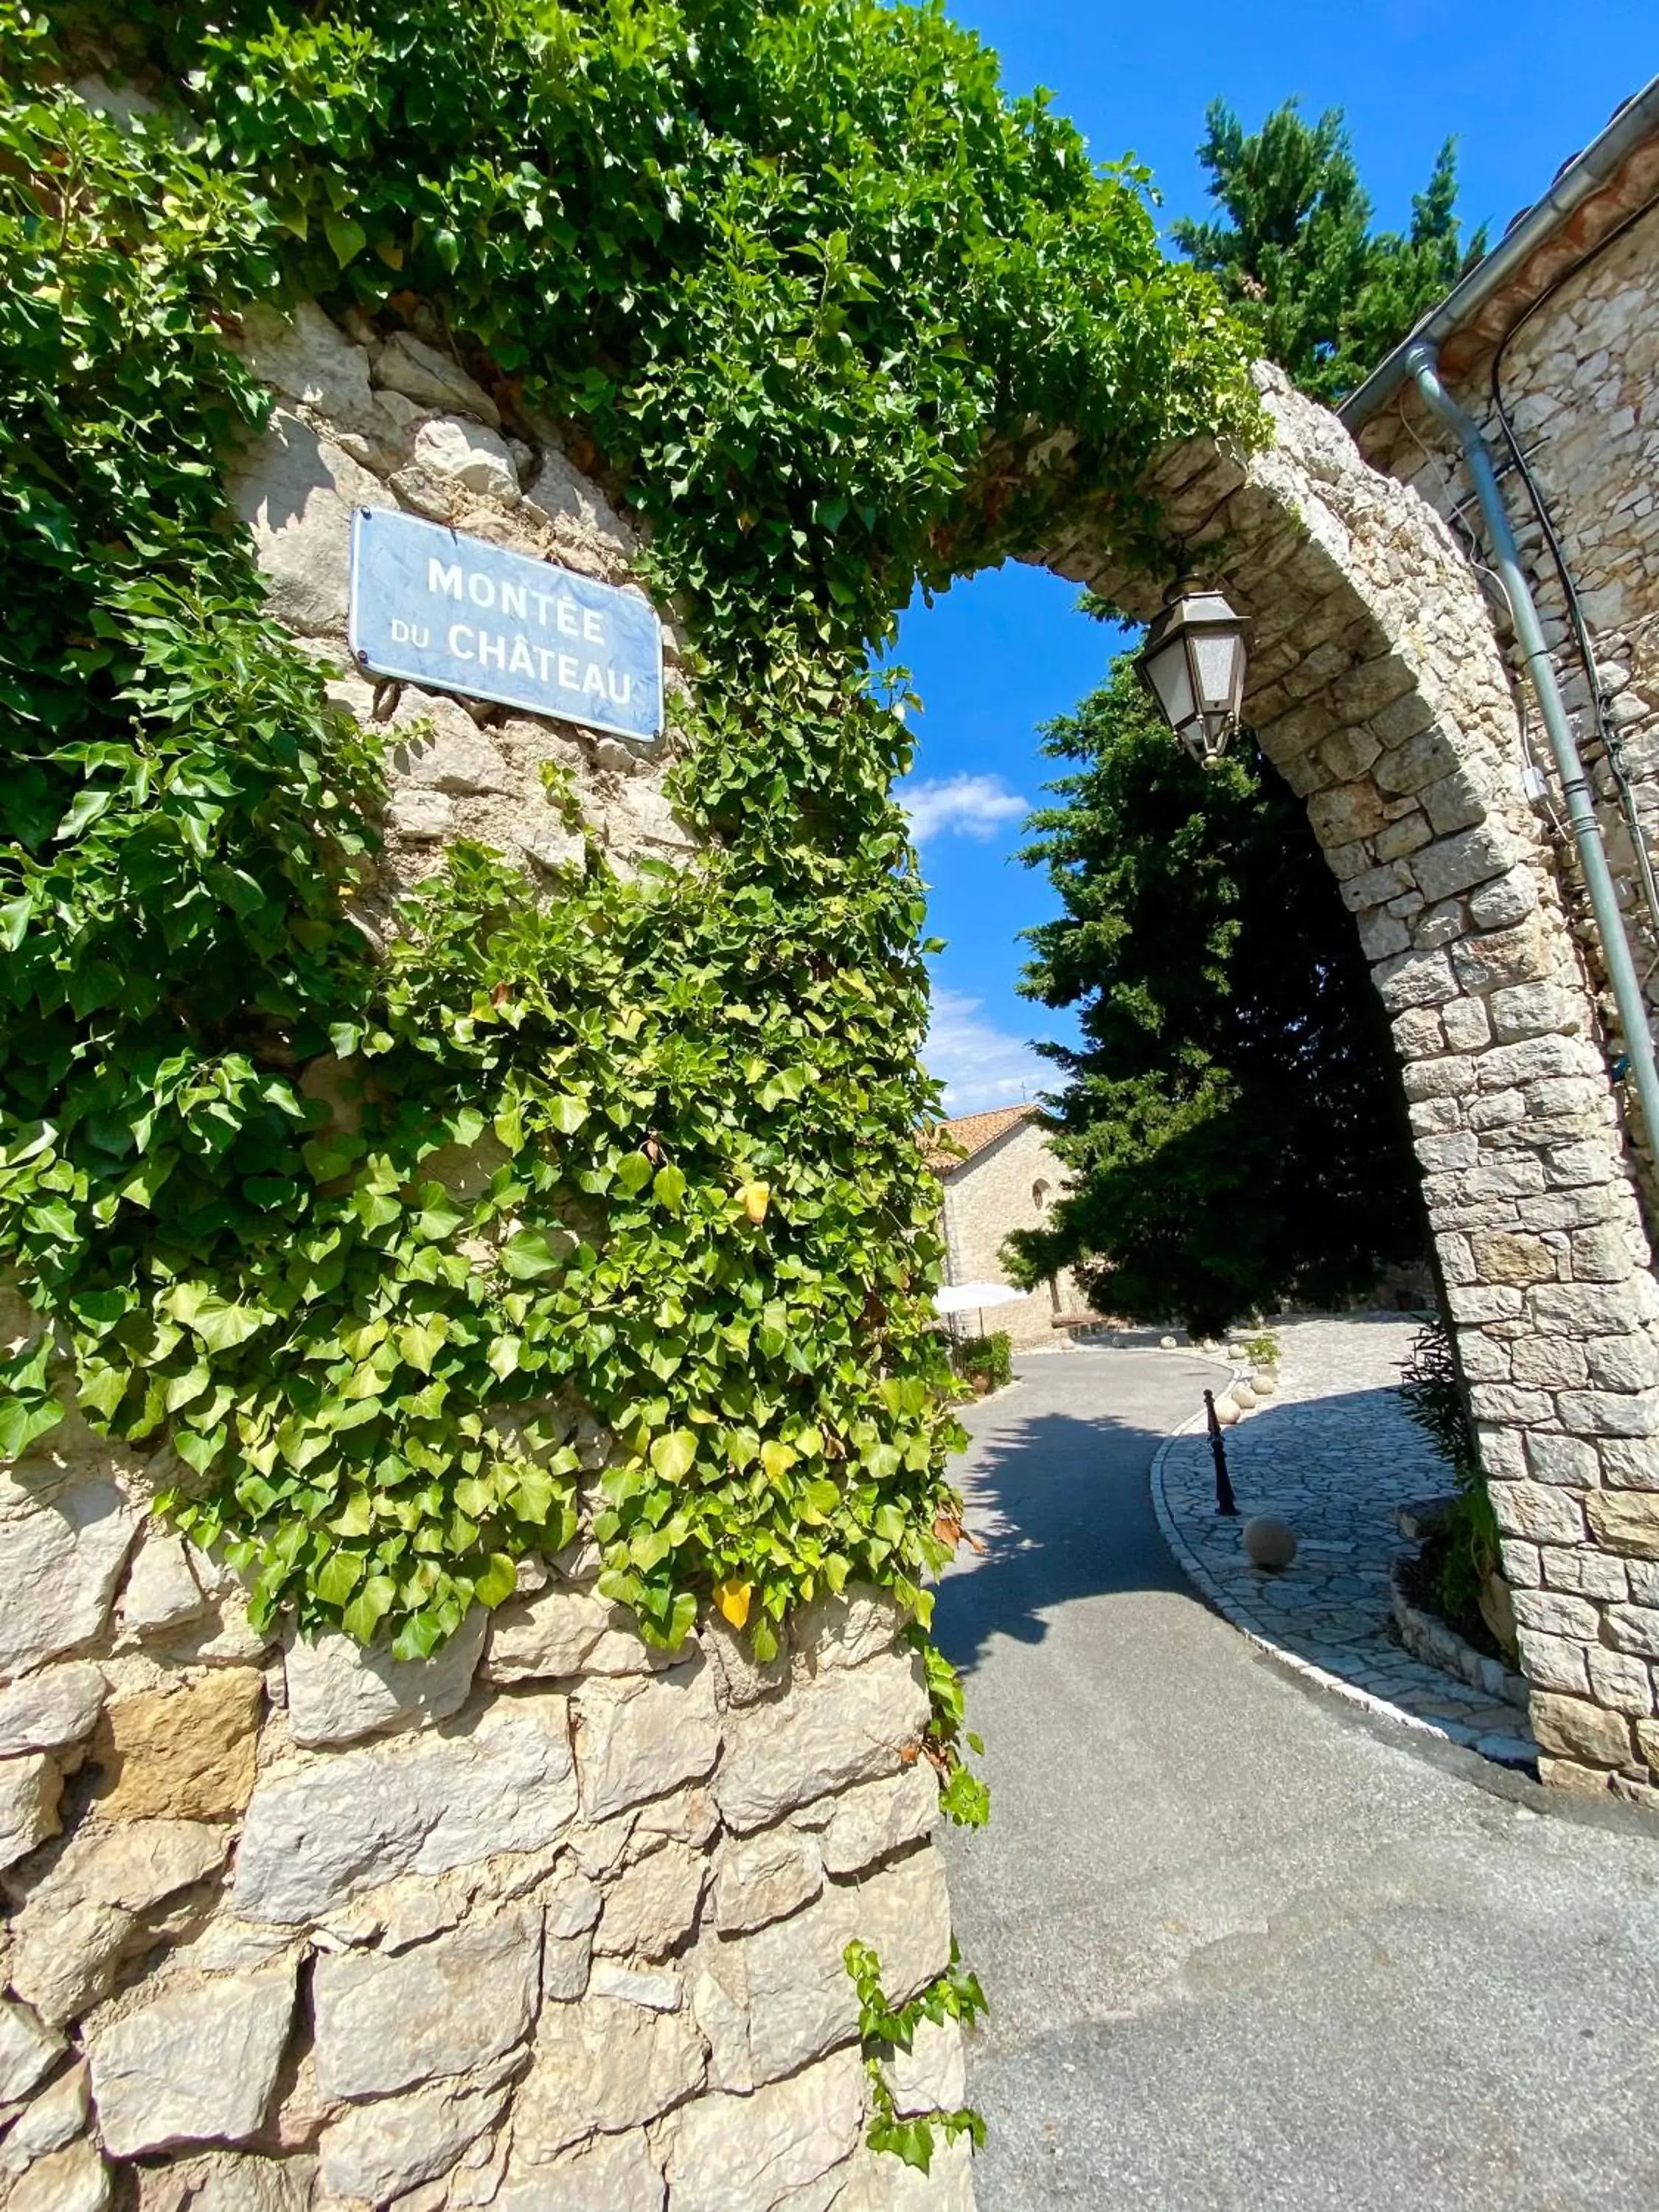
(454, 613)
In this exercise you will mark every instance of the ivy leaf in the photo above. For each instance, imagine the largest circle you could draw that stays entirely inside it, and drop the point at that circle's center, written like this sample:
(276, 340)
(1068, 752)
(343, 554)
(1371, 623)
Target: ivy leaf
(672, 1455)
(732, 1599)
(420, 1343)
(777, 1459)
(338, 1576)
(221, 1325)
(23, 1420)
(565, 1113)
(498, 1580)
(369, 1608)
(670, 1186)
(346, 238)
(633, 1173)
(529, 1255)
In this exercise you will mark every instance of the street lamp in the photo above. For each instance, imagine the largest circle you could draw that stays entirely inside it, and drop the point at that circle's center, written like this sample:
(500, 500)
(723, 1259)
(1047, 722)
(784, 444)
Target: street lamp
(1193, 663)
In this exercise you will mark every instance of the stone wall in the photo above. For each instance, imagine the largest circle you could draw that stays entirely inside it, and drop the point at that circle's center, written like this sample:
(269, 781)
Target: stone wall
(988, 1197)
(549, 1921)
(1379, 691)
(1580, 382)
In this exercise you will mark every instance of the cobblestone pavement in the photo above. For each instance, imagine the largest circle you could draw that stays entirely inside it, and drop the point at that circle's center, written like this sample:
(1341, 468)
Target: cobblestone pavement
(1334, 1454)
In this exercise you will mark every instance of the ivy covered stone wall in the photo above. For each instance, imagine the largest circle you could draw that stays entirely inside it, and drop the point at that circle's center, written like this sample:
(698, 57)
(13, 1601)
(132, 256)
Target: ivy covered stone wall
(552, 1917)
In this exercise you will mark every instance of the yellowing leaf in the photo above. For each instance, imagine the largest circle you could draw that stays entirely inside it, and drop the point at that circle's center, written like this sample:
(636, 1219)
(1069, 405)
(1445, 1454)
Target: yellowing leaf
(671, 1454)
(756, 1196)
(777, 1459)
(733, 1599)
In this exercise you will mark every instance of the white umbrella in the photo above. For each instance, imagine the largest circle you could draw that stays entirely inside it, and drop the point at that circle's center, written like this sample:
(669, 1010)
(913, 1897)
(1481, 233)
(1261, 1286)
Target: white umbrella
(972, 1297)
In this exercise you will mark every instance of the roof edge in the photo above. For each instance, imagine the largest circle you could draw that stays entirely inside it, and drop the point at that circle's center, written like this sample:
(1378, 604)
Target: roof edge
(1636, 122)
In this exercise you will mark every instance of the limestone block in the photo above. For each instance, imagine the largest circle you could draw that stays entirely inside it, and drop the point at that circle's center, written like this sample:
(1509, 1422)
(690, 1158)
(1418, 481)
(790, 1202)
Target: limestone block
(385, 2024)
(639, 818)
(657, 1989)
(1382, 934)
(654, 1905)
(767, 1876)
(408, 365)
(1590, 1573)
(337, 1692)
(932, 2076)
(1589, 1309)
(1610, 1413)
(1575, 1729)
(1501, 904)
(455, 450)
(56, 2117)
(28, 2051)
(1629, 1463)
(1556, 1613)
(1519, 955)
(440, 748)
(1525, 1010)
(746, 2154)
(86, 1915)
(875, 1819)
(1458, 863)
(30, 1787)
(1456, 802)
(1552, 1663)
(61, 1555)
(612, 2173)
(1414, 979)
(295, 492)
(1621, 1681)
(161, 1591)
(1538, 1512)
(800, 2000)
(1400, 838)
(1422, 758)
(1634, 1629)
(850, 1724)
(51, 1711)
(379, 2150)
(640, 1740)
(578, 510)
(1565, 1460)
(552, 847)
(566, 1967)
(561, 1631)
(422, 816)
(1623, 1362)
(1467, 1024)
(181, 1754)
(845, 1629)
(318, 1834)
(740, 1678)
(1626, 1521)
(308, 359)
(605, 2063)
(1347, 811)
(73, 2179)
(233, 2182)
(879, 2183)
(195, 2064)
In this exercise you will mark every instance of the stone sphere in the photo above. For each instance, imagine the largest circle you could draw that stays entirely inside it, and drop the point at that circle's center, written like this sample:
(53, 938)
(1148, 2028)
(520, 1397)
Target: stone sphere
(1225, 1412)
(1242, 1396)
(1269, 1541)
(1264, 1383)
(1166, 1343)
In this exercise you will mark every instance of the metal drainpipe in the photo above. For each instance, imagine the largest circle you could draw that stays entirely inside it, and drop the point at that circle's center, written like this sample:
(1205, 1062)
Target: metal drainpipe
(1421, 363)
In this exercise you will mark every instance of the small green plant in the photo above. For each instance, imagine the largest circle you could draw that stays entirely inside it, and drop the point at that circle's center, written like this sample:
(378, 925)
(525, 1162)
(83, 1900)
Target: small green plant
(885, 2028)
(1434, 1398)
(991, 1356)
(963, 1798)
(1261, 1351)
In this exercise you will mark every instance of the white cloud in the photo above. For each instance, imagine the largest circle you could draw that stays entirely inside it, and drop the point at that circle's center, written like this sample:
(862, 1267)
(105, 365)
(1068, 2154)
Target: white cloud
(970, 806)
(980, 1067)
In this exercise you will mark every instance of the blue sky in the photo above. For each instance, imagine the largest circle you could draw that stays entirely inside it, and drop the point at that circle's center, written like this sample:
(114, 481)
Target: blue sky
(1521, 87)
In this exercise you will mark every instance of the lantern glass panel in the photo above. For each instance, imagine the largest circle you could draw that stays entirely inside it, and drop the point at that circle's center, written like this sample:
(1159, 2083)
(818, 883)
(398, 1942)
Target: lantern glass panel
(1216, 655)
(1172, 681)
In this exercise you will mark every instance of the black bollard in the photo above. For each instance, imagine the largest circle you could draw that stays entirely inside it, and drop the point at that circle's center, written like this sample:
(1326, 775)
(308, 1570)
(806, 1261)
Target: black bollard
(1224, 1501)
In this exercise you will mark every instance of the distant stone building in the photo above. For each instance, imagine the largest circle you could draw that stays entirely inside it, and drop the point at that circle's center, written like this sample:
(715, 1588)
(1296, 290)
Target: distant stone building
(1000, 1174)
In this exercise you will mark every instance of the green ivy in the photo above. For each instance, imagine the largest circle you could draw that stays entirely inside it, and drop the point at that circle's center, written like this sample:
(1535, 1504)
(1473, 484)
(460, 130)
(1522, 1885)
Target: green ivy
(371, 1252)
(885, 2028)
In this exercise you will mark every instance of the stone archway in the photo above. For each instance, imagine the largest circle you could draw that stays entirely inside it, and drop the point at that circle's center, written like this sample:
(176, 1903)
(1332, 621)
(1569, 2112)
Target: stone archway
(1378, 689)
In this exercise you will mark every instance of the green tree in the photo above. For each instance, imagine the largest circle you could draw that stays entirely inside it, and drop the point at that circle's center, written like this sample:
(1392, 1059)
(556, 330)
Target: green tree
(1325, 295)
(1233, 1115)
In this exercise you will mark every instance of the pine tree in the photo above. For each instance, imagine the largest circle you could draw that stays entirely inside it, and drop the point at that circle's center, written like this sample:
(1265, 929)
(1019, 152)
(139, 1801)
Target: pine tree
(1233, 1117)
(1326, 294)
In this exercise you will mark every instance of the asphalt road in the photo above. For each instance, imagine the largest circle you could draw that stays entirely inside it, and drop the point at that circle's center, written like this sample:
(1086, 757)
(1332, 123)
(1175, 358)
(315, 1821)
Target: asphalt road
(1244, 1947)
